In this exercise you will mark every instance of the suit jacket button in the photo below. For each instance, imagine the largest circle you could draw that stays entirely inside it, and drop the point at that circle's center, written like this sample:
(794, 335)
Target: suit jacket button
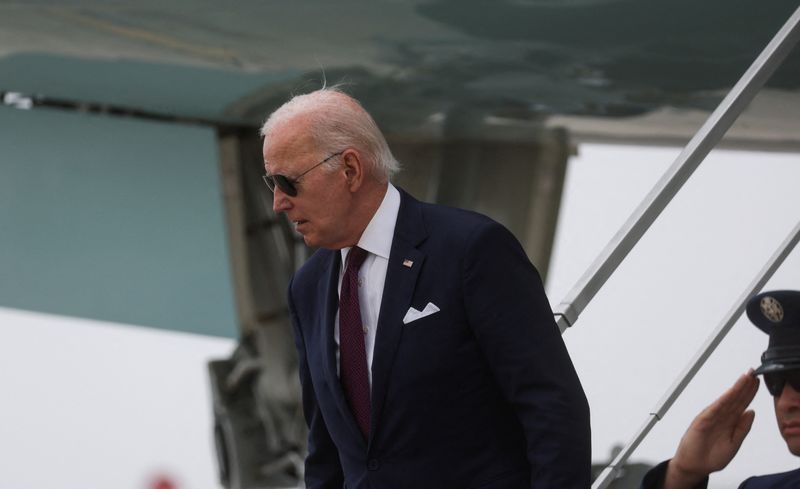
(373, 464)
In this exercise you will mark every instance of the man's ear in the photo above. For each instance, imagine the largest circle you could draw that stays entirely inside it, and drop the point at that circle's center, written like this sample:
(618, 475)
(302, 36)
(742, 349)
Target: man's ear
(354, 169)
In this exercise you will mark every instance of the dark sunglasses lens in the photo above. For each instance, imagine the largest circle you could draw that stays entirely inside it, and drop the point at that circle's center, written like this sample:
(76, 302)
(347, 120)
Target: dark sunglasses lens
(793, 378)
(286, 185)
(775, 382)
(282, 183)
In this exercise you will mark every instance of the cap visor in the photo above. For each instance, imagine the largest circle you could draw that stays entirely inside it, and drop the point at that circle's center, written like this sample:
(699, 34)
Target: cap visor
(776, 367)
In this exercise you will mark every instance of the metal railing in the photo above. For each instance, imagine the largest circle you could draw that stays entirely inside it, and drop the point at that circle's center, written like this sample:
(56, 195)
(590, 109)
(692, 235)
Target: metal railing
(610, 472)
(678, 173)
(712, 131)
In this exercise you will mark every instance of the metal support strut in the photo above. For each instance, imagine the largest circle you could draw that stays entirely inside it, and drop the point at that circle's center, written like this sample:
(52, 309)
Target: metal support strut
(609, 473)
(567, 312)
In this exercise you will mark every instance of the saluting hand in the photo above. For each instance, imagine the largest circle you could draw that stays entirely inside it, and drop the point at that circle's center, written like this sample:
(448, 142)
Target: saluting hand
(714, 436)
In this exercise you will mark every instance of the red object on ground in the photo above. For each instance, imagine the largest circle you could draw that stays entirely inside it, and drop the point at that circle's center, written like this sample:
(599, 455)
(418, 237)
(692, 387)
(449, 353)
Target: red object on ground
(163, 482)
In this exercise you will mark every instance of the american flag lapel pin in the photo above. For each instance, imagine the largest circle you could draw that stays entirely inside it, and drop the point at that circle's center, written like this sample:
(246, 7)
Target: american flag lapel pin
(407, 263)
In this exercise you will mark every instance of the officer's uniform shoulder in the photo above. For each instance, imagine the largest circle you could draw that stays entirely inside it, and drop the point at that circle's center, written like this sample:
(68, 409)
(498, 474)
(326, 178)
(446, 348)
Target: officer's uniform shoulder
(783, 480)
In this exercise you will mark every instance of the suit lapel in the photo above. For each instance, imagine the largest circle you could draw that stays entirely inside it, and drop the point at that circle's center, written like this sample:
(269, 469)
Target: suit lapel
(329, 297)
(397, 294)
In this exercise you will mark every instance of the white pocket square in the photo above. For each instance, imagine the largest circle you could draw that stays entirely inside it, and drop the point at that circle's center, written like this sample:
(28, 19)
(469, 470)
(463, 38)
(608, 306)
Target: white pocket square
(413, 314)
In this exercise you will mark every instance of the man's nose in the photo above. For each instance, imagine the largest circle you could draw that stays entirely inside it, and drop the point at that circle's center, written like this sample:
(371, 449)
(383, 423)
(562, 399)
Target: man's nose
(280, 201)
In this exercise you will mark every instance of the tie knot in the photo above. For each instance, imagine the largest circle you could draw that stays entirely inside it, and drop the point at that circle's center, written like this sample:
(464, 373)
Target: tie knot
(356, 258)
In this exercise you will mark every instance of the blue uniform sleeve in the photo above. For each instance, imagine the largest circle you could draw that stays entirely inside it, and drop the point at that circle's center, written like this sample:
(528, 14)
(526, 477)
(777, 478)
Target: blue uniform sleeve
(654, 478)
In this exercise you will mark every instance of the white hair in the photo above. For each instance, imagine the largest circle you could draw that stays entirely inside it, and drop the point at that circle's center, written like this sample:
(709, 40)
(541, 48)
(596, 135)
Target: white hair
(337, 121)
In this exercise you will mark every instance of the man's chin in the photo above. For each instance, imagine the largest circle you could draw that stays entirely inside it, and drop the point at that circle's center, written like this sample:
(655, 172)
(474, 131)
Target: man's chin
(313, 241)
(793, 444)
(308, 237)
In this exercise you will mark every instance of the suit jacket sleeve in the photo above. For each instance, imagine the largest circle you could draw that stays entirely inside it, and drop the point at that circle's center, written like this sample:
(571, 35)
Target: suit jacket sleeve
(511, 317)
(654, 478)
(323, 469)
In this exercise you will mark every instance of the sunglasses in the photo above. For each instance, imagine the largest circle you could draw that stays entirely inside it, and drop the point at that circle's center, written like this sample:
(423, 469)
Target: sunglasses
(289, 185)
(775, 381)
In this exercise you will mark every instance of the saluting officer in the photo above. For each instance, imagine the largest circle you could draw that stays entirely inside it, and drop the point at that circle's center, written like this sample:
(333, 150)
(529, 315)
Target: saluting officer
(716, 434)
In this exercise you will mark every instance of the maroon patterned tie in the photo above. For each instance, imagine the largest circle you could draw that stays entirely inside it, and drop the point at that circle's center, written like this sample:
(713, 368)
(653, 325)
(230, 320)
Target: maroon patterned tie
(352, 352)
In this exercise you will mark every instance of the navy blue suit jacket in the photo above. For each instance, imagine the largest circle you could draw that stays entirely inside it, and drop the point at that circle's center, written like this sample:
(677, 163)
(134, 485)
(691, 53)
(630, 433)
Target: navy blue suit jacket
(481, 394)
(654, 479)
(784, 480)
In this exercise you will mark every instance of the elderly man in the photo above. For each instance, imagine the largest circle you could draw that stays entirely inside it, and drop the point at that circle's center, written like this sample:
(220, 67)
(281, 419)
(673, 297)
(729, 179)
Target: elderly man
(716, 434)
(428, 354)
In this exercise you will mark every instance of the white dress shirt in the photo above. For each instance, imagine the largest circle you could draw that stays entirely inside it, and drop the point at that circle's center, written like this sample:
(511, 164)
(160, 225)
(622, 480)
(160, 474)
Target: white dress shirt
(377, 241)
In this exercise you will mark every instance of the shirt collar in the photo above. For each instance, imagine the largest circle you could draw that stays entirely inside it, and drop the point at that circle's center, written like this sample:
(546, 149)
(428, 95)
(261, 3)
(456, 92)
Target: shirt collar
(378, 235)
